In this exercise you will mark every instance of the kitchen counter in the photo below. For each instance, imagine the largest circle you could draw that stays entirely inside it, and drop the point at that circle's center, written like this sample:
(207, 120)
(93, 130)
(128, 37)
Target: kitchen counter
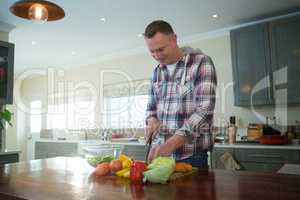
(257, 146)
(90, 142)
(72, 178)
(8, 152)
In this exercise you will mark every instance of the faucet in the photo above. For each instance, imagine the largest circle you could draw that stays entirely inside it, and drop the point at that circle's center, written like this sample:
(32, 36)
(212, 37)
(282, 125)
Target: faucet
(85, 134)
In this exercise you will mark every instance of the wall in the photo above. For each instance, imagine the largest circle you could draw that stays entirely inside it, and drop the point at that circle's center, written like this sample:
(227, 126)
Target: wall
(3, 36)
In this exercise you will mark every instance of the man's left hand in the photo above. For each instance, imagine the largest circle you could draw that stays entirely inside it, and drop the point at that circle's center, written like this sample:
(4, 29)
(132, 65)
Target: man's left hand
(160, 150)
(167, 148)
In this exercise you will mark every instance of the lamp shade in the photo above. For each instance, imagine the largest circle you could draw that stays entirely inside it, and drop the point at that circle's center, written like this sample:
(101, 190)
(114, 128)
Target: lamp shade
(46, 10)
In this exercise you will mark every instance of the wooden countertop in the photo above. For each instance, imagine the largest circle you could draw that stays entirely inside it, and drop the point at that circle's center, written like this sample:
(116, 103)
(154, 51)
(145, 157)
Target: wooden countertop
(72, 178)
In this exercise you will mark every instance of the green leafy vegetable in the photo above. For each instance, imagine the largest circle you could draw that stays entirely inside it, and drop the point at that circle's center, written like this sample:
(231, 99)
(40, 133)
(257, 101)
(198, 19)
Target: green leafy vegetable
(160, 170)
(96, 160)
(6, 116)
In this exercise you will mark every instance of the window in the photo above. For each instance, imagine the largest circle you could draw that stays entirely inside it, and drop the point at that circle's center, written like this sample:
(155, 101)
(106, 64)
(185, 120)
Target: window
(77, 115)
(35, 116)
(125, 112)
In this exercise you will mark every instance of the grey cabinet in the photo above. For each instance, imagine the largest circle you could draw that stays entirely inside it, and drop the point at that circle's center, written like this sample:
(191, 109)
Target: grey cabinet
(9, 158)
(260, 54)
(251, 65)
(285, 46)
(54, 149)
(261, 160)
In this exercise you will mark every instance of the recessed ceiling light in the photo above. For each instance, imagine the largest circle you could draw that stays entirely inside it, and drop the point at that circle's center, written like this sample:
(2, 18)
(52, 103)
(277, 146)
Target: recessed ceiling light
(73, 53)
(215, 16)
(140, 35)
(102, 19)
(33, 42)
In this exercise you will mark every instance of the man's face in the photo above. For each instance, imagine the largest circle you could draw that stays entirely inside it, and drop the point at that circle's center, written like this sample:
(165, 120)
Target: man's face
(162, 47)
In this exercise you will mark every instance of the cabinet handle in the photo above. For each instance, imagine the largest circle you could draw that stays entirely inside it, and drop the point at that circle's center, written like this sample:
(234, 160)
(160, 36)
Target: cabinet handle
(264, 156)
(269, 87)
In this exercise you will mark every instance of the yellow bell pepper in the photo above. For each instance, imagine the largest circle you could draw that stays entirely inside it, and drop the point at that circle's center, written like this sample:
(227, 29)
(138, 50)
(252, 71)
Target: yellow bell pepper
(126, 161)
(122, 172)
(127, 174)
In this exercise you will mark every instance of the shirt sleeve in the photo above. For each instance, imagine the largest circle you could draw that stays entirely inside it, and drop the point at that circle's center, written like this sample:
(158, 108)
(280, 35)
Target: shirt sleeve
(152, 99)
(204, 99)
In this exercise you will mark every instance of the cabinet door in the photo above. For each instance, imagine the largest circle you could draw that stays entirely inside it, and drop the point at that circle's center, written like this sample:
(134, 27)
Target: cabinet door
(216, 157)
(251, 65)
(9, 158)
(62, 149)
(261, 167)
(41, 150)
(285, 48)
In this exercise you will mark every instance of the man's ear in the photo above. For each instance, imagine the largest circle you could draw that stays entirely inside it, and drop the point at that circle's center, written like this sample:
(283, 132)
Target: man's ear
(174, 39)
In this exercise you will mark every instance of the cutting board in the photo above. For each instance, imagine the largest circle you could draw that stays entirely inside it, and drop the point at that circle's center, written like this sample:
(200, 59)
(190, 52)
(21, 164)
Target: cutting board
(177, 175)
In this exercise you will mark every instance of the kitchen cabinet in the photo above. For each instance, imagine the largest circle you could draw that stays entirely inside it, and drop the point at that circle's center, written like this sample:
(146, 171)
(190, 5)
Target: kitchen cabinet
(54, 149)
(285, 54)
(260, 160)
(251, 63)
(260, 54)
(9, 158)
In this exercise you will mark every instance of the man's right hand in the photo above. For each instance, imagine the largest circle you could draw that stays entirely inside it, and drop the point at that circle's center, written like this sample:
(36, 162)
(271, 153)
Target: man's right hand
(152, 128)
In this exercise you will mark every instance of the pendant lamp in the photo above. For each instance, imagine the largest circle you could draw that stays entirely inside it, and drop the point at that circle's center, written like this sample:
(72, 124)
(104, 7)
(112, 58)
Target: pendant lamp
(38, 11)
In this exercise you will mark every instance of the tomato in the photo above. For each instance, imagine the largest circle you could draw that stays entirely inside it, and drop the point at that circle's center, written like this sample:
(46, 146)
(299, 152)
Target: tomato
(115, 165)
(102, 169)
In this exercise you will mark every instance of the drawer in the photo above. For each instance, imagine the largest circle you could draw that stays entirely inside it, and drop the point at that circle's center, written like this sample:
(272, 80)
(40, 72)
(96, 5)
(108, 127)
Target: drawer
(267, 155)
(219, 152)
(261, 167)
(9, 158)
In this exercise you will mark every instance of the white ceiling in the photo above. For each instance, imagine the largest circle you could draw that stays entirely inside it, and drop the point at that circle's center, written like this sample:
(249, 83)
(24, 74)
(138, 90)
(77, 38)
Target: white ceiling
(82, 31)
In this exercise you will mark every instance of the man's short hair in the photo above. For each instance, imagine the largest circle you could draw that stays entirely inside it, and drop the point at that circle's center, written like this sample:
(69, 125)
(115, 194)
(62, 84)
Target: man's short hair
(158, 26)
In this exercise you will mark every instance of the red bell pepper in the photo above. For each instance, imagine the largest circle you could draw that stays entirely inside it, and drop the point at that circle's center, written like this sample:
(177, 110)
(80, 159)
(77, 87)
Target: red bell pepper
(136, 171)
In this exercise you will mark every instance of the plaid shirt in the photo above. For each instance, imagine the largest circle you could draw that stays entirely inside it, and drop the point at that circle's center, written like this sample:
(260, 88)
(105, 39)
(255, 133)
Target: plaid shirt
(184, 102)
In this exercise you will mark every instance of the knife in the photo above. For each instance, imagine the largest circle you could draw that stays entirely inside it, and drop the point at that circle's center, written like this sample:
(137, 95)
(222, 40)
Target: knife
(148, 148)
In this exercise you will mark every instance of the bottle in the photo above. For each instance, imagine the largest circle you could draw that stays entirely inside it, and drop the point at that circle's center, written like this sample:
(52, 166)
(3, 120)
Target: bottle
(290, 134)
(232, 130)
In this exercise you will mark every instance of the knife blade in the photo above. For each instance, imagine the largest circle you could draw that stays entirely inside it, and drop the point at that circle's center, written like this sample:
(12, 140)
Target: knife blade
(148, 148)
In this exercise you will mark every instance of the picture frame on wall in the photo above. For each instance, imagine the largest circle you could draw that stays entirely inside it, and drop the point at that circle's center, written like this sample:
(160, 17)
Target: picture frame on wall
(6, 72)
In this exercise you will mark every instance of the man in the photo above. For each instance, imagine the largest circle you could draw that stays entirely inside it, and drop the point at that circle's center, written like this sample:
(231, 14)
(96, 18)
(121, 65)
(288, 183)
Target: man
(181, 98)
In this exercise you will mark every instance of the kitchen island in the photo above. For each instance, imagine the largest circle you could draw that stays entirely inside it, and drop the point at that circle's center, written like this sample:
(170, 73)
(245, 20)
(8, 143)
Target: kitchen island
(72, 178)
